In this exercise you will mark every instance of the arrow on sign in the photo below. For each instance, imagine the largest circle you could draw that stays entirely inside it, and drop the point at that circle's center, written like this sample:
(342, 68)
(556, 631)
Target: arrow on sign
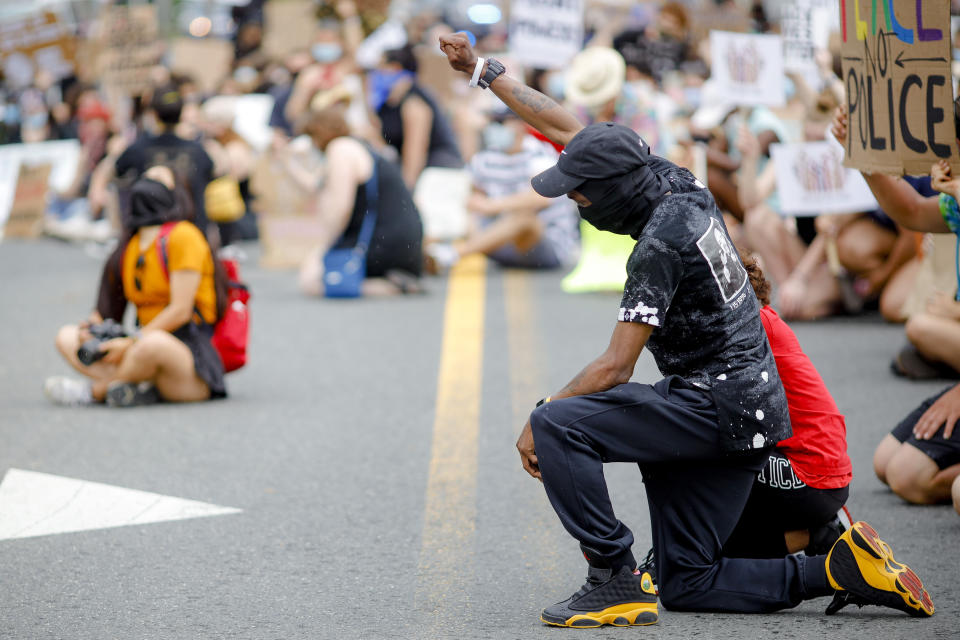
(900, 60)
(40, 504)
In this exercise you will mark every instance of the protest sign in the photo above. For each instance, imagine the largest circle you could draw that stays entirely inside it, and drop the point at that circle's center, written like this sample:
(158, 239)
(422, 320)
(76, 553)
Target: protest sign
(811, 180)
(63, 156)
(130, 48)
(288, 27)
(797, 32)
(29, 202)
(545, 33)
(206, 60)
(33, 42)
(896, 68)
(747, 69)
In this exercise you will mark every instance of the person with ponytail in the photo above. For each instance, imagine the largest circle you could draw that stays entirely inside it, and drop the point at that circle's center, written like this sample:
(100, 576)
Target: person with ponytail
(165, 268)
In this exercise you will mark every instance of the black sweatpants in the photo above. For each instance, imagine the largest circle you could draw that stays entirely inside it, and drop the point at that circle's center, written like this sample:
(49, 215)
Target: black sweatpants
(695, 492)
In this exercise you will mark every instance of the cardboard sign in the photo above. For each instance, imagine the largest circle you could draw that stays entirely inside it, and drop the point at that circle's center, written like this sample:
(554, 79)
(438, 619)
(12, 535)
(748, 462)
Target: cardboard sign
(63, 156)
(545, 33)
(747, 68)
(896, 68)
(811, 180)
(131, 48)
(32, 42)
(216, 56)
(288, 27)
(29, 202)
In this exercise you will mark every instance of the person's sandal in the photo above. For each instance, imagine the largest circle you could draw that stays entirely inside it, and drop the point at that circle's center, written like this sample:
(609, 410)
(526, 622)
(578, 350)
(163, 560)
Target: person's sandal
(909, 363)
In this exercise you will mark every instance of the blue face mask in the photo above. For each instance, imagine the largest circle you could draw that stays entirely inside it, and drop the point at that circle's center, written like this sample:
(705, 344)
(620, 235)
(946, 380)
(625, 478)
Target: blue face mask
(379, 84)
(11, 115)
(326, 52)
(35, 120)
(498, 137)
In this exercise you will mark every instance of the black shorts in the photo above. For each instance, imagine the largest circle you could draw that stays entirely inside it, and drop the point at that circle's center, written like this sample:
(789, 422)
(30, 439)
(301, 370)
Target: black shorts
(206, 360)
(780, 501)
(945, 453)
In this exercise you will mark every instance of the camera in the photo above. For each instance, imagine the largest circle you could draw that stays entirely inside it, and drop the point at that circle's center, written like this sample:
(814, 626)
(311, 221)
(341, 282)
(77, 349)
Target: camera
(89, 352)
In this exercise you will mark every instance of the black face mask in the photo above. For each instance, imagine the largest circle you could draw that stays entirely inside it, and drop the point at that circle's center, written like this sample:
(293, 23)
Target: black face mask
(623, 204)
(151, 203)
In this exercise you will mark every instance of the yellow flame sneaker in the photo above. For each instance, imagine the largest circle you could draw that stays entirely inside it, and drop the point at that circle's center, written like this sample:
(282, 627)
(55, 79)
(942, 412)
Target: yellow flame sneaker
(861, 567)
(622, 599)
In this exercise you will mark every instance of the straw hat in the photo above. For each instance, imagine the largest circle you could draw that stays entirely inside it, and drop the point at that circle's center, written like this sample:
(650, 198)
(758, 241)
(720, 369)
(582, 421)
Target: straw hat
(596, 76)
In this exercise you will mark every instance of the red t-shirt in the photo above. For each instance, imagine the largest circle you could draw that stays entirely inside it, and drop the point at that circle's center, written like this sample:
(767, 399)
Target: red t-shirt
(818, 447)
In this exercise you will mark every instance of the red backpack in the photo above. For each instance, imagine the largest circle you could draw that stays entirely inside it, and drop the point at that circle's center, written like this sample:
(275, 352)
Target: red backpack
(231, 333)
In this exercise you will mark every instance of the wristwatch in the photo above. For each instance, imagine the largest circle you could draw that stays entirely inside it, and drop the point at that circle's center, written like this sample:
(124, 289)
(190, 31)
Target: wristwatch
(494, 70)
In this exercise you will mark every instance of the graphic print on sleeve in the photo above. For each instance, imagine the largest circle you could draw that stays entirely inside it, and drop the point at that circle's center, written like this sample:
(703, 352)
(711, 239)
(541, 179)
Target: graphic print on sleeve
(728, 272)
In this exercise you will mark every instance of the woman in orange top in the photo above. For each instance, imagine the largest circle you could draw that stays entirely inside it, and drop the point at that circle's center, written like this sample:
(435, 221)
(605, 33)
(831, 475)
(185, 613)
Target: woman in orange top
(170, 356)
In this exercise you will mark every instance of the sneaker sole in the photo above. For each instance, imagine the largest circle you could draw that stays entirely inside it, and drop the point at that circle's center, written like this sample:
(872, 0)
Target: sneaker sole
(852, 563)
(622, 615)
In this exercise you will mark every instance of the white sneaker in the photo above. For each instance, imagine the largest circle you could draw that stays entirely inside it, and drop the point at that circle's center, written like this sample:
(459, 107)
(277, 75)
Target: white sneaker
(68, 392)
(444, 255)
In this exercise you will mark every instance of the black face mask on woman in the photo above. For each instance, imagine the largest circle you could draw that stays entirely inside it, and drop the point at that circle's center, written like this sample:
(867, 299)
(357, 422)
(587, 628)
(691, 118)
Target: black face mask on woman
(623, 204)
(151, 203)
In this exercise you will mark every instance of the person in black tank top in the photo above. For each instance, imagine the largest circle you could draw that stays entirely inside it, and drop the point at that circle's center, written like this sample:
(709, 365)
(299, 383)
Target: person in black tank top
(395, 255)
(397, 97)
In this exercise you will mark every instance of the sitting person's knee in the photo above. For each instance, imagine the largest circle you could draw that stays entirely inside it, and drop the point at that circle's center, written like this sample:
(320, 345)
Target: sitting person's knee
(917, 328)
(150, 346)
(955, 493)
(66, 340)
(908, 481)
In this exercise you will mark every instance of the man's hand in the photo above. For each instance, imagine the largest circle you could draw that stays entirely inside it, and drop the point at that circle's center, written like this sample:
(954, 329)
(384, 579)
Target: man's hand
(944, 412)
(528, 457)
(460, 54)
(115, 349)
(942, 180)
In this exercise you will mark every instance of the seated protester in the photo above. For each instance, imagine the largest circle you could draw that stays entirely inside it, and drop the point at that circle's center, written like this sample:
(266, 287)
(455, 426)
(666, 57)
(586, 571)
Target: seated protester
(395, 254)
(516, 227)
(170, 357)
(920, 458)
(797, 500)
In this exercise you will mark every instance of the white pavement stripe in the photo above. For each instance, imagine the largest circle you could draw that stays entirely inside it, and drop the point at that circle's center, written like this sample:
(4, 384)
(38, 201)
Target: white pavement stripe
(40, 504)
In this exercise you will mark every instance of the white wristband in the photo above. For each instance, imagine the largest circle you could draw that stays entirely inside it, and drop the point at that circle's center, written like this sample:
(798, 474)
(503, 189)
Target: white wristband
(476, 72)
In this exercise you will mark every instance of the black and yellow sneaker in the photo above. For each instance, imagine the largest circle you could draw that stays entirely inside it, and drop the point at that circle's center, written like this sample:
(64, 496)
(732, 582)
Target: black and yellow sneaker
(861, 568)
(621, 599)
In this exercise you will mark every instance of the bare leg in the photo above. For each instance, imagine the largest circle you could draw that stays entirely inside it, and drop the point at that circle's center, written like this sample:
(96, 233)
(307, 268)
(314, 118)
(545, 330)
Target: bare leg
(882, 456)
(898, 288)
(956, 494)
(162, 359)
(311, 272)
(522, 228)
(821, 298)
(936, 338)
(863, 245)
(797, 540)
(915, 477)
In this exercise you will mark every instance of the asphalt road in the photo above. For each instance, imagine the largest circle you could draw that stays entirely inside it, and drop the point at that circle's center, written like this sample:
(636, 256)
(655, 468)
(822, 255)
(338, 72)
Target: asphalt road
(370, 447)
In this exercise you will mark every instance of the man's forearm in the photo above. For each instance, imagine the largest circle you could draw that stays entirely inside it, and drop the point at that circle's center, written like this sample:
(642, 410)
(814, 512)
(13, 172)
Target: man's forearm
(597, 376)
(539, 111)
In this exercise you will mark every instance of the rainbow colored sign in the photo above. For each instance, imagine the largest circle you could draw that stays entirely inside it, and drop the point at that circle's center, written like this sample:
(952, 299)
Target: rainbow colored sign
(896, 68)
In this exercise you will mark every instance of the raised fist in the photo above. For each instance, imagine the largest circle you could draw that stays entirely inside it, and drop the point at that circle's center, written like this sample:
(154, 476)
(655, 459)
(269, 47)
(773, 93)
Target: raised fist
(460, 54)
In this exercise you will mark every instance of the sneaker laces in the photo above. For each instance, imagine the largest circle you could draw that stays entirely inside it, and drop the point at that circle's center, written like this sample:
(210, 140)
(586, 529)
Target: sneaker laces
(595, 578)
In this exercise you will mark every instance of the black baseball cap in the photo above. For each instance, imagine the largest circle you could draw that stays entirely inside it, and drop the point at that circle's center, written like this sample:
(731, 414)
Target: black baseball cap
(600, 151)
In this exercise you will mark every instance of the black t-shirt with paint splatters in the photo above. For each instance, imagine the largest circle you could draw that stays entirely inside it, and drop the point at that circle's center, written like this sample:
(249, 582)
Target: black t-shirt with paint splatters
(686, 279)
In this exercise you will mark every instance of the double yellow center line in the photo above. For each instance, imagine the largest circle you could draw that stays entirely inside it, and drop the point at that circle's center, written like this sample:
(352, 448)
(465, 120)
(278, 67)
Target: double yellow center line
(446, 558)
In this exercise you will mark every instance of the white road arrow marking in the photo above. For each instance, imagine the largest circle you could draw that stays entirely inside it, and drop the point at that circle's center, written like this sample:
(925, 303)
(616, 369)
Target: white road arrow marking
(40, 504)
